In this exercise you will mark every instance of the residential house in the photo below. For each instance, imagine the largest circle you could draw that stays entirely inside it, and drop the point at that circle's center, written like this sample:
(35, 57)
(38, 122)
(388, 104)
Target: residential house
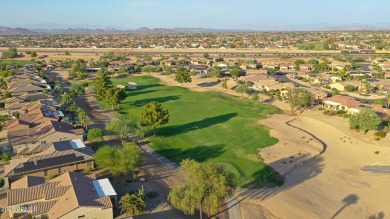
(70, 195)
(258, 81)
(341, 85)
(57, 158)
(338, 65)
(345, 103)
(246, 66)
(257, 72)
(317, 93)
(306, 67)
(383, 113)
(278, 86)
(28, 97)
(222, 65)
(46, 132)
(22, 107)
(284, 67)
(382, 85)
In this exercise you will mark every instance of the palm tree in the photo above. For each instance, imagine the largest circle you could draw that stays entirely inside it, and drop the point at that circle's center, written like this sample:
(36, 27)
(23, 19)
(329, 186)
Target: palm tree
(66, 98)
(132, 205)
(83, 118)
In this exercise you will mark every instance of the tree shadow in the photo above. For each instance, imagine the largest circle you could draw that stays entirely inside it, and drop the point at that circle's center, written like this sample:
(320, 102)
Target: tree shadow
(140, 103)
(201, 124)
(198, 153)
(209, 84)
(380, 215)
(134, 93)
(349, 200)
(146, 86)
(171, 213)
(268, 182)
(265, 184)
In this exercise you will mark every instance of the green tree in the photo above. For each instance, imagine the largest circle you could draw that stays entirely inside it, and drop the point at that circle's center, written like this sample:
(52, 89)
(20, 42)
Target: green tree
(349, 87)
(119, 161)
(41, 73)
(124, 127)
(299, 62)
(5, 156)
(66, 98)
(224, 84)
(83, 118)
(215, 71)
(153, 115)
(183, 76)
(299, 98)
(168, 70)
(313, 62)
(206, 55)
(95, 135)
(235, 72)
(122, 69)
(33, 55)
(67, 53)
(11, 53)
(102, 83)
(77, 88)
(119, 96)
(132, 204)
(242, 88)
(207, 186)
(365, 120)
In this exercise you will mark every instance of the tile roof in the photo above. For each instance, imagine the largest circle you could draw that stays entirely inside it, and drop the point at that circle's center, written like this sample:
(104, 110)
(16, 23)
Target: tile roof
(27, 181)
(61, 195)
(343, 100)
(32, 135)
(42, 161)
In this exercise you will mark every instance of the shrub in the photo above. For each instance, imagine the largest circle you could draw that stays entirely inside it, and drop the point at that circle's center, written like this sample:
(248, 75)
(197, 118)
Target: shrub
(1, 182)
(377, 139)
(6, 156)
(95, 135)
(380, 134)
(349, 88)
(255, 97)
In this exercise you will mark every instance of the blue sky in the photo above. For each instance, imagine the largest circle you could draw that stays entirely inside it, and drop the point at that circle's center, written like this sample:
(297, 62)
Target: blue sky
(235, 14)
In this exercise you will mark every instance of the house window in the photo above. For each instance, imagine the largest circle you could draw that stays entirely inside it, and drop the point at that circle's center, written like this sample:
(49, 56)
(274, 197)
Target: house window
(45, 172)
(59, 169)
(43, 142)
(89, 163)
(81, 216)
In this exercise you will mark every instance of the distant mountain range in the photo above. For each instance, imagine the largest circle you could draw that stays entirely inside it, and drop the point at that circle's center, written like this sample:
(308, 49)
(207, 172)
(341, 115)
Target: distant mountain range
(146, 30)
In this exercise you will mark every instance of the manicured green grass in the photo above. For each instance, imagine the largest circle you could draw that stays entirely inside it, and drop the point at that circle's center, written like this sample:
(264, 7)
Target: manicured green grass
(207, 126)
(317, 45)
(14, 62)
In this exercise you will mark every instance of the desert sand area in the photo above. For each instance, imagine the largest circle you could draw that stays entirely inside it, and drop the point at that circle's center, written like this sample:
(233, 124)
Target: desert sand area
(321, 160)
(332, 185)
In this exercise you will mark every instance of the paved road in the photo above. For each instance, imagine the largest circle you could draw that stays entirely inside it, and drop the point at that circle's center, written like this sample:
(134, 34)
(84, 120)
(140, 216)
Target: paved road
(285, 78)
(234, 208)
